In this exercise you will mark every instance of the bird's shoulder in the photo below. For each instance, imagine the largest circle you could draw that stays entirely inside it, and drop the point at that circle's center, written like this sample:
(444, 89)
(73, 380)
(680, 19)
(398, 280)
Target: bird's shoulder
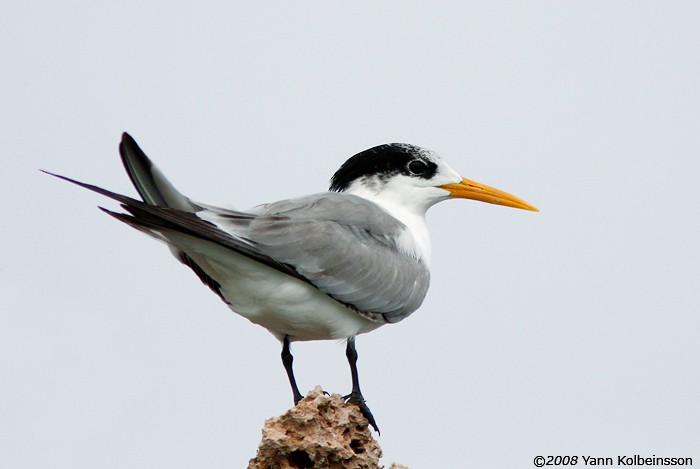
(318, 218)
(341, 208)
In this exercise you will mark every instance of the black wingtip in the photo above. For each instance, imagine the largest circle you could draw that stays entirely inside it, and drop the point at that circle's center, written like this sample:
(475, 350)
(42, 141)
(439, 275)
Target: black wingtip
(112, 195)
(128, 142)
(60, 177)
(110, 212)
(78, 183)
(140, 170)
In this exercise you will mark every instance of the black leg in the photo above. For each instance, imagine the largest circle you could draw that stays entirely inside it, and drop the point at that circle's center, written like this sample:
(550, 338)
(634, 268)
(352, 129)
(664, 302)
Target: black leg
(355, 396)
(287, 360)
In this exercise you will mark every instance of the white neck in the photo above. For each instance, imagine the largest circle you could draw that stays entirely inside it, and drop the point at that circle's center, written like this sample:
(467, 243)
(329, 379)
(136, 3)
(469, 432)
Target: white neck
(415, 240)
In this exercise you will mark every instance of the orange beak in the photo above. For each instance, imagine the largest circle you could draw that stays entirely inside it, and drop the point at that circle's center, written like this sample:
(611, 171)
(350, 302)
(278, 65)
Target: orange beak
(473, 190)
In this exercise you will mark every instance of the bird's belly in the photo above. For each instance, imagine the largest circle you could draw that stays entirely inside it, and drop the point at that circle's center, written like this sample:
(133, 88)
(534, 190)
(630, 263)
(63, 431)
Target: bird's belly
(284, 305)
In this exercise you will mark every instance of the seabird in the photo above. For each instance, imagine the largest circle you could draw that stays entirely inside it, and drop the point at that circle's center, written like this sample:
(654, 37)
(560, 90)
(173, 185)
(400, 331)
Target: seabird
(324, 266)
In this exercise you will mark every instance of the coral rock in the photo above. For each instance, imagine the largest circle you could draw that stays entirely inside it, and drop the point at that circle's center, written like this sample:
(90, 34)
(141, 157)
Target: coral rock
(319, 432)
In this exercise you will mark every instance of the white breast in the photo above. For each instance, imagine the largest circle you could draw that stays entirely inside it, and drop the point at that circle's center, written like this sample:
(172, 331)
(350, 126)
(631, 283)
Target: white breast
(284, 305)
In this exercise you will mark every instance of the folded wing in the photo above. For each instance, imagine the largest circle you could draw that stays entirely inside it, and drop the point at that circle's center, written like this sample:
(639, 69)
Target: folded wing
(344, 245)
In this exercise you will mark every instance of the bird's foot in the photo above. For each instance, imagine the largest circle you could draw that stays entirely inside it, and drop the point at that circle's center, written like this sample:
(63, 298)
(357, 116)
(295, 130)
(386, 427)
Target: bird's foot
(356, 398)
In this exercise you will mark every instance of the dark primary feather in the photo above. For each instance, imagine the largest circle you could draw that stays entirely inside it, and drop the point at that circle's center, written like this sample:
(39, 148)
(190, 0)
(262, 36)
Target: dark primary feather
(140, 170)
(203, 276)
(153, 187)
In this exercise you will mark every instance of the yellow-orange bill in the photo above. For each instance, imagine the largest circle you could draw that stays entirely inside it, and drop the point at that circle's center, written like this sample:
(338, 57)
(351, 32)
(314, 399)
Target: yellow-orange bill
(473, 190)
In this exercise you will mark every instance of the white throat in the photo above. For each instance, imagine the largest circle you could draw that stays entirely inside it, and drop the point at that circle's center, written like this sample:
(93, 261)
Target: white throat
(415, 240)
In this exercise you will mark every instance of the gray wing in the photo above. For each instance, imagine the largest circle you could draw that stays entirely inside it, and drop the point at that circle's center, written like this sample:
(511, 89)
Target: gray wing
(344, 245)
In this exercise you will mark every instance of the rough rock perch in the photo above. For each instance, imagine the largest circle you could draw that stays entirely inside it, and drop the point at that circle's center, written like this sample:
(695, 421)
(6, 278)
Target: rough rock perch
(319, 432)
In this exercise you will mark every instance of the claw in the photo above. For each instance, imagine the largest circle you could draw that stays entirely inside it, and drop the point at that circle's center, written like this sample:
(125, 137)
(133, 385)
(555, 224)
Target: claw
(357, 399)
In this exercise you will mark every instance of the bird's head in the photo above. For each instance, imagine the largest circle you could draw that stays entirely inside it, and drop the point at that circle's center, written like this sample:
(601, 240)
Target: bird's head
(416, 178)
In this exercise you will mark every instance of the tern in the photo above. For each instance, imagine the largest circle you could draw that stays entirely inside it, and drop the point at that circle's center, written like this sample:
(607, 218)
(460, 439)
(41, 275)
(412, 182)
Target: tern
(325, 266)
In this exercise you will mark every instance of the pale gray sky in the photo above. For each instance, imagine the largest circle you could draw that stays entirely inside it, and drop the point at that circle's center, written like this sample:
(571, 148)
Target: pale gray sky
(572, 331)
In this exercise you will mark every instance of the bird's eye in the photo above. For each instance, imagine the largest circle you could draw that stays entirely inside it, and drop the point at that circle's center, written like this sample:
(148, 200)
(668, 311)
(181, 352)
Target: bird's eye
(417, 166)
